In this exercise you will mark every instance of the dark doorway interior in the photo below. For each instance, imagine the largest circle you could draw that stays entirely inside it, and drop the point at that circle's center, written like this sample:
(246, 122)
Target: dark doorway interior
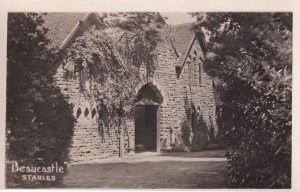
(146, 128)
(147, 117)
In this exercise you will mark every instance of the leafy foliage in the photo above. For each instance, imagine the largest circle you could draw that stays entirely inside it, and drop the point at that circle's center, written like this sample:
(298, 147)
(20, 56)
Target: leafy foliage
(141, 34)
(109, 72)
(39, 121)
(251, 61)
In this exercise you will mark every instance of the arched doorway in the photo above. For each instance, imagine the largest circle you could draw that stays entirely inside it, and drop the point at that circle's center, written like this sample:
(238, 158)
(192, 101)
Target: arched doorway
(147, 119)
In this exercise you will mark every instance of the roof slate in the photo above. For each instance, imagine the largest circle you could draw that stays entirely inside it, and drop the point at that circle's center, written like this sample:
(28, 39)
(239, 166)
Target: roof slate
(60, 25)
(183, 34)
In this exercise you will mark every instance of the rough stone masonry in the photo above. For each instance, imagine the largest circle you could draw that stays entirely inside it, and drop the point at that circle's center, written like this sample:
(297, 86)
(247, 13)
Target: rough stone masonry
(183, 112)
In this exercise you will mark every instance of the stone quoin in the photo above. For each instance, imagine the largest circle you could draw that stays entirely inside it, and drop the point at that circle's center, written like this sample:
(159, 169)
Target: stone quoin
(176, 108)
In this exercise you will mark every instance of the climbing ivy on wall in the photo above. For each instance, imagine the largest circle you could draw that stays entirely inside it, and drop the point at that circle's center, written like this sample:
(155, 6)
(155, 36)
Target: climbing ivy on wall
(108, 72)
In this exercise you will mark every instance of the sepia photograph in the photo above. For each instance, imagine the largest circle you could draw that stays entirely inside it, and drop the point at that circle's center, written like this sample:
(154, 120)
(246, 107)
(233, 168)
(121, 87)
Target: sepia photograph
(149, 100)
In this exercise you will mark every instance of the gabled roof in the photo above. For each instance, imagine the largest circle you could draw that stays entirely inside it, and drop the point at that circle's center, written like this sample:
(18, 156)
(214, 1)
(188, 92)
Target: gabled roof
(60, 25)
(183, 40)
(183, 34)
(63, 27)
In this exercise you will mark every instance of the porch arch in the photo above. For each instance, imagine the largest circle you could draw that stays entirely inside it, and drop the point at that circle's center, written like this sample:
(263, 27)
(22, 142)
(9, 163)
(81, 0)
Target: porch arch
(149, 99)
(156, 87)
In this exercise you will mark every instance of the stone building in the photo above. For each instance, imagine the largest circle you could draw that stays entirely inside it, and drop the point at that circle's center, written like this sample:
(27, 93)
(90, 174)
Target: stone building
(176, 105)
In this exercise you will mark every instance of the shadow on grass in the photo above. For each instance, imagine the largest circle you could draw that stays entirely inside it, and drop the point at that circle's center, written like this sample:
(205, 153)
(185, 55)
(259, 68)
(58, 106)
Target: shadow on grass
(197, 154)
(149, 175)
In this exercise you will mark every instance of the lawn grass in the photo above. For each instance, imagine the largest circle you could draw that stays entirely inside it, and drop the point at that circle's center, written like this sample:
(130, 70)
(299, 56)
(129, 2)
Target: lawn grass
(165, 174)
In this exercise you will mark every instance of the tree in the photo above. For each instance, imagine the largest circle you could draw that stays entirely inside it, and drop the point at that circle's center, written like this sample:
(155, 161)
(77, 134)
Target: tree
(39, 120)
(250, 59)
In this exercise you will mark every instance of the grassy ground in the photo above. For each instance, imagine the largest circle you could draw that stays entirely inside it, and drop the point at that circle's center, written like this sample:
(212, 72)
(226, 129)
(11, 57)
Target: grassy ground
(171, 170)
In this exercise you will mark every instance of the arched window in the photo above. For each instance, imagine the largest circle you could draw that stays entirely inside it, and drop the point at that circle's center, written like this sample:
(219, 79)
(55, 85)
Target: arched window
(194, 55)
(78, 113)
(195, 52)
(198, 111)
(93, 113)
(86, 112)
(200, 73)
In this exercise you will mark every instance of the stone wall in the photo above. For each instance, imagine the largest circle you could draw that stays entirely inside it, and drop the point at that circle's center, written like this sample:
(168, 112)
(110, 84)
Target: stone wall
(191, 91)
(90, 141)
(187, 112)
